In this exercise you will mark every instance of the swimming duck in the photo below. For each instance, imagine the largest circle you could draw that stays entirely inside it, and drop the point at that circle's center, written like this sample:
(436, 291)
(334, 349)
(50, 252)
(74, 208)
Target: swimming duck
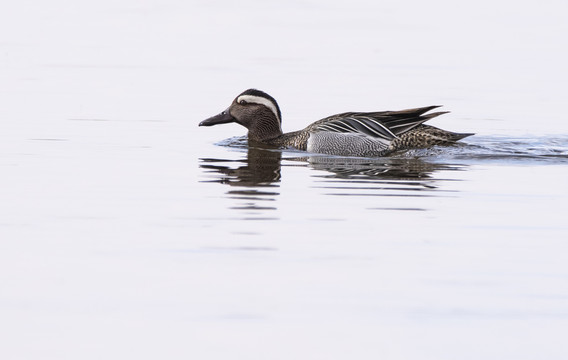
(365, 134)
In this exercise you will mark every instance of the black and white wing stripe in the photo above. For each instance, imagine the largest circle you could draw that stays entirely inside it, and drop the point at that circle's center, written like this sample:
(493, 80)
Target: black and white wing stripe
(387, 125)
(360, 125)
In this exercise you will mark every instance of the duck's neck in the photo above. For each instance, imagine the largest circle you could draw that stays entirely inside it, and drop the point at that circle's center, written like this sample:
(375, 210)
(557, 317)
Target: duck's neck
(264, 129)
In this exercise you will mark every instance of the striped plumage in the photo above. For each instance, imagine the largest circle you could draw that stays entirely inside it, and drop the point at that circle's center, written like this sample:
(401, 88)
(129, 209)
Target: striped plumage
(365, 134)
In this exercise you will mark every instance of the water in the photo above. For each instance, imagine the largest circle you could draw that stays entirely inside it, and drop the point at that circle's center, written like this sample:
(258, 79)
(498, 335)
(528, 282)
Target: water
(464, 191)
(126, 231)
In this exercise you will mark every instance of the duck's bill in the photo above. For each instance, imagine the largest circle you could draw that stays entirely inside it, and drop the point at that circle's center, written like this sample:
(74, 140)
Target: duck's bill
(222, 118)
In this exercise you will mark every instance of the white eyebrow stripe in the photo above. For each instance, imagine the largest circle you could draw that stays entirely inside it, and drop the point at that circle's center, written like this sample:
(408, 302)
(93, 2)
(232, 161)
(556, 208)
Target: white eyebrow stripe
(262, 101)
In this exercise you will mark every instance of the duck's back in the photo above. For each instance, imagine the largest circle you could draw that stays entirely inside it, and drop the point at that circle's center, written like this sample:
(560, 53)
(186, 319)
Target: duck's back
(370, 133)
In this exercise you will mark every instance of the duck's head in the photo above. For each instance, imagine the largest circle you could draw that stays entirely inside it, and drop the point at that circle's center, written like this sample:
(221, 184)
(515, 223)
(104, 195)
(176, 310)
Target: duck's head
(255, 110)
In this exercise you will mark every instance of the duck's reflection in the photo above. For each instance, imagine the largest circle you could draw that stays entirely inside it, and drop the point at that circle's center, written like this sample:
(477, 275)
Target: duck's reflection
(261, 167)
(393, 168)
(255, 178)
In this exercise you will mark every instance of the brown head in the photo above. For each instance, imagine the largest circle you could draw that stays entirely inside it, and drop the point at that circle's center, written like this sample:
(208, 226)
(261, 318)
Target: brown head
(255, 110)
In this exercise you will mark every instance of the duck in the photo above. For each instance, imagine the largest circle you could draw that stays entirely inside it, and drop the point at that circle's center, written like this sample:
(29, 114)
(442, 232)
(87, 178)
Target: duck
(359, 134)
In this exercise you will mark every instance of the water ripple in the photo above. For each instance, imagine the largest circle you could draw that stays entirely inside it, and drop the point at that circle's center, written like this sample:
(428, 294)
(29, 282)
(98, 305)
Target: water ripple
(538, 149)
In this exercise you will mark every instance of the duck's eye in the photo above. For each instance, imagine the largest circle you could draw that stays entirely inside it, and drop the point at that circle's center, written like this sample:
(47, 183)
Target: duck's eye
(242, 102)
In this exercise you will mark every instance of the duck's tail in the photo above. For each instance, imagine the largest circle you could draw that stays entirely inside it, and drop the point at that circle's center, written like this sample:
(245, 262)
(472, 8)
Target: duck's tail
(453, 137)
(424, 136)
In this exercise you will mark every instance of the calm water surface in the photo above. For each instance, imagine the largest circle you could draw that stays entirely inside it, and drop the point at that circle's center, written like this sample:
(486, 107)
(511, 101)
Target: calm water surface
(440, 193)
(128, 232)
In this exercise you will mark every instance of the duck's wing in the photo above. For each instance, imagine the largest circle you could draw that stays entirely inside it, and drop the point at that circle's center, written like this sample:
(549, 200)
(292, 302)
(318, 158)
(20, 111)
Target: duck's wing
(357, 124)
(387, 125)
(402, 121)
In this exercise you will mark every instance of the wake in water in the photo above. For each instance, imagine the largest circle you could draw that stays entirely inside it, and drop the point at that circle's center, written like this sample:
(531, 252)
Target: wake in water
(553, 149)
(262, 165)
(549, 149)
